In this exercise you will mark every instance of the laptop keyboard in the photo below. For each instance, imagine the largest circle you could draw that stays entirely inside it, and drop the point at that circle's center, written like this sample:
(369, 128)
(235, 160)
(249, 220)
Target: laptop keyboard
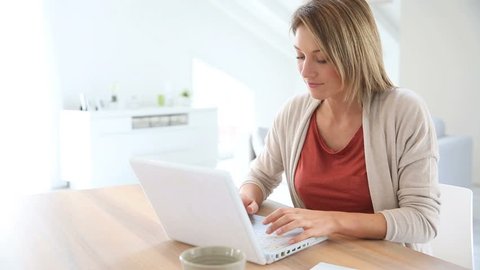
(270, 242)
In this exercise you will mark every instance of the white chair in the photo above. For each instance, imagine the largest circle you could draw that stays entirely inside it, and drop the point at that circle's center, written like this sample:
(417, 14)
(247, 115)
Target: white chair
(454, 242)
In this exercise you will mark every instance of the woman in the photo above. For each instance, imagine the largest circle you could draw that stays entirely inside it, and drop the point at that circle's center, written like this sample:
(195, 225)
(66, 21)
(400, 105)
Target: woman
(359, 155)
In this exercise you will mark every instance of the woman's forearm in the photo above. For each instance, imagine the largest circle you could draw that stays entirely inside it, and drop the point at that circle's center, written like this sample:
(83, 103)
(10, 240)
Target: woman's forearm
(370, 226)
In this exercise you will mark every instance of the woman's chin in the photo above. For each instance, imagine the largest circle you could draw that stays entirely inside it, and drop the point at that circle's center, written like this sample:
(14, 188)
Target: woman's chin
(315, 95)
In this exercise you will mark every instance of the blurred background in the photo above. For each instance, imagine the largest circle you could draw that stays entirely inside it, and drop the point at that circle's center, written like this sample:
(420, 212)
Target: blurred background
(233, 56)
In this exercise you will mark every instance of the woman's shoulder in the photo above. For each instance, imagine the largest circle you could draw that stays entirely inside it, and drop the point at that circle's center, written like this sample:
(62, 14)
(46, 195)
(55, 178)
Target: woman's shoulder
(300, 103)
(397, 94)
(296, 108)
(399, 106)
(301, 100)
(398, 99)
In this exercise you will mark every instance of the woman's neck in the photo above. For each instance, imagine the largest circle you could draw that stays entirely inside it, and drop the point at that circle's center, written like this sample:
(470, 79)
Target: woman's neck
(339, 110)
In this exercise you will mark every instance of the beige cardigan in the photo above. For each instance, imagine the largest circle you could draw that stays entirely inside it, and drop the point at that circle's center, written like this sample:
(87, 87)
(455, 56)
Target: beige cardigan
(401, 155)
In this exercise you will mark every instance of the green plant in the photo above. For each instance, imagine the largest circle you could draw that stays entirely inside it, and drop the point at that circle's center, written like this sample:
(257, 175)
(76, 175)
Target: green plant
(185, 93)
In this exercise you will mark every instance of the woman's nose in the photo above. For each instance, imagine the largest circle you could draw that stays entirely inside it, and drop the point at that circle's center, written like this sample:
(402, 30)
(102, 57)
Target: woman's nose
(306, 69)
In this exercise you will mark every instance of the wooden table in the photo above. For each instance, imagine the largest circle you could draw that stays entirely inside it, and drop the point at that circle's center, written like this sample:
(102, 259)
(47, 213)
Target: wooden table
(116, 228)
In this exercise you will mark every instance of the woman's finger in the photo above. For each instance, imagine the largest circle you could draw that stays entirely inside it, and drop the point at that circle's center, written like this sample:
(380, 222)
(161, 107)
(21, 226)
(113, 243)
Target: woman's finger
(293, 224)
(275, 215)
(252, 208)
(304, 235)
(281, 221)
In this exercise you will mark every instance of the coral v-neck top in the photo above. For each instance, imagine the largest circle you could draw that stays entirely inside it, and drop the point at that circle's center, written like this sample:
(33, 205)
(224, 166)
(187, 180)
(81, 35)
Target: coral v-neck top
(329, 180)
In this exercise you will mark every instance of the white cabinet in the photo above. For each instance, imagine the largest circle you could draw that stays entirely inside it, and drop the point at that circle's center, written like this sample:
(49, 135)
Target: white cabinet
(96, 146)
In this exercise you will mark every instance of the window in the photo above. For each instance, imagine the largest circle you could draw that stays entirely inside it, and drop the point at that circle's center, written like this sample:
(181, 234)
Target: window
(29, 103)
(235, 103)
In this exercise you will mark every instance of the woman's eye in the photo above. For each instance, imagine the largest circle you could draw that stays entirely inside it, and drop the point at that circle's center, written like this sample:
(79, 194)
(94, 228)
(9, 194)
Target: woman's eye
(300, 57)
(321, 61)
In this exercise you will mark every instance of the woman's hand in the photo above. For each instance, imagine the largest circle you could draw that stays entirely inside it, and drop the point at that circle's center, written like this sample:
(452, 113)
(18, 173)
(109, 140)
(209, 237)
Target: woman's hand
(314, 223)
(250, 204)
(317, 223)
(252, 197)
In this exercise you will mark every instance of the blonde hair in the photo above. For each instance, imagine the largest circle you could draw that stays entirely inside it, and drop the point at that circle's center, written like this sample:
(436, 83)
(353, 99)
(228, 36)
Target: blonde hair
(346, 32)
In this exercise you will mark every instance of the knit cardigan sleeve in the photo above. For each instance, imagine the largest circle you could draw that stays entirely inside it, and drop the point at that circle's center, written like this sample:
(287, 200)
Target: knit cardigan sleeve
(282, 146)
(401, 154)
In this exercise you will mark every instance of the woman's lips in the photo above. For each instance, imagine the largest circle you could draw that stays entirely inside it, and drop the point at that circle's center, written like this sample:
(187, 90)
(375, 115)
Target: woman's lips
(314, 85)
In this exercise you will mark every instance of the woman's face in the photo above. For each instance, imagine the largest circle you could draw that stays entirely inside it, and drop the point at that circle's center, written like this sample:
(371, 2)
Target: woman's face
(316, 70)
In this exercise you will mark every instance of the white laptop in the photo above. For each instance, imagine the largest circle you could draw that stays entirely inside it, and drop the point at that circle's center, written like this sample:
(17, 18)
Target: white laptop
(202, 207)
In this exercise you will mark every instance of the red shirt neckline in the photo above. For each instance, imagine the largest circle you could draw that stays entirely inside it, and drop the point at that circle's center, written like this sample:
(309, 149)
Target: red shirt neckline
(332, 181)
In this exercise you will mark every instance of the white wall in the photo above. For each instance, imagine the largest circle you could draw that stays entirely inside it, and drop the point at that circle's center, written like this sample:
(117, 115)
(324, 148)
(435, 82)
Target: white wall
(144, 44)
(440, 59)
(29, 101)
